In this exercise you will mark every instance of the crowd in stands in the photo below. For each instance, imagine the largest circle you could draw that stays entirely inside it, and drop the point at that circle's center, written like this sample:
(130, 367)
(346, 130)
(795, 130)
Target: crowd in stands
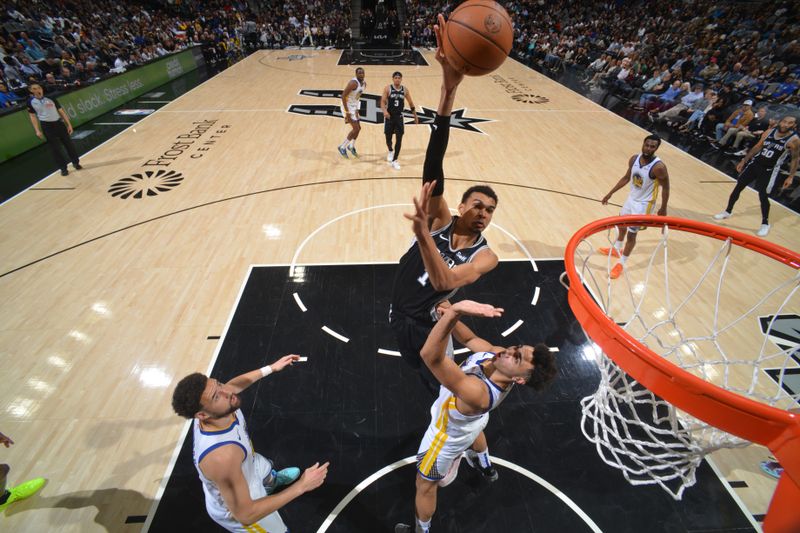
(278, 24)
(67, 45)
(703, 67)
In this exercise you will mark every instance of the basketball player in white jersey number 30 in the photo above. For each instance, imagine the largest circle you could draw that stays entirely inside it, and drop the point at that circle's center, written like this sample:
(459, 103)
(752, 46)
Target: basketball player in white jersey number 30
(646, 174)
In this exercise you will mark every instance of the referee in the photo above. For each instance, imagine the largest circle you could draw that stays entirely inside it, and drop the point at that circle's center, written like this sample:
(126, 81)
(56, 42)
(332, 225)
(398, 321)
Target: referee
(46, 116)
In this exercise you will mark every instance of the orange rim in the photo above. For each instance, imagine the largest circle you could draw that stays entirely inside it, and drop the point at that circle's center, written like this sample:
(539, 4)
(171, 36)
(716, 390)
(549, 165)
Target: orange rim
(775, 428)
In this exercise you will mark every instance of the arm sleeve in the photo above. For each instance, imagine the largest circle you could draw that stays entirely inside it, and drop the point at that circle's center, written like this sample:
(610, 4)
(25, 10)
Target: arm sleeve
(434, 156)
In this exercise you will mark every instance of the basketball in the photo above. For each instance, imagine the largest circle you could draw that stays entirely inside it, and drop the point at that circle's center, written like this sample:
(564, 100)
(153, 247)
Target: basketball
(477, 37)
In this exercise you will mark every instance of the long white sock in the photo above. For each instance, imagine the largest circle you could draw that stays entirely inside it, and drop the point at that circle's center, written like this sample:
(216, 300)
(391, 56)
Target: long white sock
(344, 143)
(352, 143)
(425, 526)
(622, 259)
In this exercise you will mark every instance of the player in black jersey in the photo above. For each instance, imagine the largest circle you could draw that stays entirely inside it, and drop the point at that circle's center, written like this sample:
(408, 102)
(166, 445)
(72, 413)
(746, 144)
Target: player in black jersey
(449, 251)
(392, 103)
(763, 164)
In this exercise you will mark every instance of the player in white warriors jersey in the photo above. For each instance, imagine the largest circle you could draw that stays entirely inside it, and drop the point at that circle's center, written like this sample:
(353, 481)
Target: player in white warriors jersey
(351, 102)
(466, 396)
(237, 482)
(647, 176)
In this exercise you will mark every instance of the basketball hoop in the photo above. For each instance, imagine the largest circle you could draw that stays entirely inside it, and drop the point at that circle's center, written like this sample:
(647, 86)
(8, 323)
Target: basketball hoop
(682, 370)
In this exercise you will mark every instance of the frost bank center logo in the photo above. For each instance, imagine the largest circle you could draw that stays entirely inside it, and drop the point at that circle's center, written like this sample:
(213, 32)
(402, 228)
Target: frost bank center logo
(157, 175)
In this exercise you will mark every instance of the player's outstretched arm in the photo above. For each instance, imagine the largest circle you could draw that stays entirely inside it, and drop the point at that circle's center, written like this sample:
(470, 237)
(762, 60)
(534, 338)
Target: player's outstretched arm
(223, 467)
(241, 382)
(468, 390)
(451, 77)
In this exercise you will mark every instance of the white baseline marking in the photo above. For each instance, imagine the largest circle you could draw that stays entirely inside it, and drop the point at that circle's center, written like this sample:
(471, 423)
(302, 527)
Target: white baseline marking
(174, 459)
(388, 352)
(536, 295)
(460, 351)
(332, 333)
(299, 302)
(413, 459)
(513, 328)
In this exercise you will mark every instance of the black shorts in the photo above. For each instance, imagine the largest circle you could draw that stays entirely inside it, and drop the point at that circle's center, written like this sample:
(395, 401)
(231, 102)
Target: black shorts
(394, 124)
(411, 336)
(761, 175)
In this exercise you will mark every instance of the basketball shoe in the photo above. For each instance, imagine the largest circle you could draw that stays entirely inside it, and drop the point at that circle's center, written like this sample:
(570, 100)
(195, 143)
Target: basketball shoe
(22, 491)
(616, 271)
(281, 478)
(489, 473)
(604, 251)
(343, 152)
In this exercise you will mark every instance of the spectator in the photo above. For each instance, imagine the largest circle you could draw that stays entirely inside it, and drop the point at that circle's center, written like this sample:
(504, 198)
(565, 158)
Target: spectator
(7, 98)
(760, 123)
(685, 103)
(738, 120)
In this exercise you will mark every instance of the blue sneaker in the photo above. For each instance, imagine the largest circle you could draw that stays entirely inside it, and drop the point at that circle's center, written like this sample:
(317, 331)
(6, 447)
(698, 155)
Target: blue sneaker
(281, 478)
(343, 152)
(353, 151)
(772, 468)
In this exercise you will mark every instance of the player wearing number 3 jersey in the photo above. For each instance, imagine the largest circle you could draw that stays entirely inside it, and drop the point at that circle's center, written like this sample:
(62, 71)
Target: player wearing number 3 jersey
(448, 251)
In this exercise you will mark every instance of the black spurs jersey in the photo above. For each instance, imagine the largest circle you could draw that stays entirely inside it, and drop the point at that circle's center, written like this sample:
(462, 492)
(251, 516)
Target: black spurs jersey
(397, 100)
(773, 151)
(413, 295)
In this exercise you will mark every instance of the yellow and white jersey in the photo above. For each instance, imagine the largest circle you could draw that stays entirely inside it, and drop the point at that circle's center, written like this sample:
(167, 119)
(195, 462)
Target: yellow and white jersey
(450, 431)
(254, 467)
(353, 98)
(644, 187)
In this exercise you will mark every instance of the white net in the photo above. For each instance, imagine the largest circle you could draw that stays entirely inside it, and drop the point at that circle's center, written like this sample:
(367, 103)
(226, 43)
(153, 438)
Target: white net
(728, 321)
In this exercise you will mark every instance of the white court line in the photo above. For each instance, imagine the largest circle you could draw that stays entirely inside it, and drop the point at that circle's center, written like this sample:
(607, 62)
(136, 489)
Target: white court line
(299, 302)
(174, 459)
(220, 110)
(388, 352)
(513, 328)
(536, 295)
(413, 459)
(113, 123)
(554, 349)
(460, 351)
(332, 333)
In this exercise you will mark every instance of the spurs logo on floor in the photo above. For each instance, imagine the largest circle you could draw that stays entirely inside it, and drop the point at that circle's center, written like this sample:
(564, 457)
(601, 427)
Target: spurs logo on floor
(370, 111)
(784, 331)
(147, 183)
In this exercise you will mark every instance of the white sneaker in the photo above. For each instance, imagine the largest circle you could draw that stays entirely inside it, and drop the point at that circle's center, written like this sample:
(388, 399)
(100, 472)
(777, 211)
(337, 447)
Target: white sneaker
(722, 216)
(763, 231)
(395, 165)
(390, 157)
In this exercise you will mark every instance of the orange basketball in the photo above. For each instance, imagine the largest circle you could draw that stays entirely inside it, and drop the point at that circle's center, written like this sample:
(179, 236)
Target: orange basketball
(478, 37)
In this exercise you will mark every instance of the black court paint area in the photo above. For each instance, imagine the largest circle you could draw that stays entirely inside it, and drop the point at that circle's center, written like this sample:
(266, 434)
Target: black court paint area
(363, 411)
(382, 57)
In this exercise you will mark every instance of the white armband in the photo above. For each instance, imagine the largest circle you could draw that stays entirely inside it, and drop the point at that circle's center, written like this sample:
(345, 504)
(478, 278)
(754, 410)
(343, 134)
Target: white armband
(266, 371)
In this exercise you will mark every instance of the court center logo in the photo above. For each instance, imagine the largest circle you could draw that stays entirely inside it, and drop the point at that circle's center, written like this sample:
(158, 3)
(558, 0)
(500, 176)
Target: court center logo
(519, 90)
(370, 111)
(147, 183)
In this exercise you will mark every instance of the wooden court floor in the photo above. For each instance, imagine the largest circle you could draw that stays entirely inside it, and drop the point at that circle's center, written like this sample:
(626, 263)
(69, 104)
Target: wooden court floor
(110, 294)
